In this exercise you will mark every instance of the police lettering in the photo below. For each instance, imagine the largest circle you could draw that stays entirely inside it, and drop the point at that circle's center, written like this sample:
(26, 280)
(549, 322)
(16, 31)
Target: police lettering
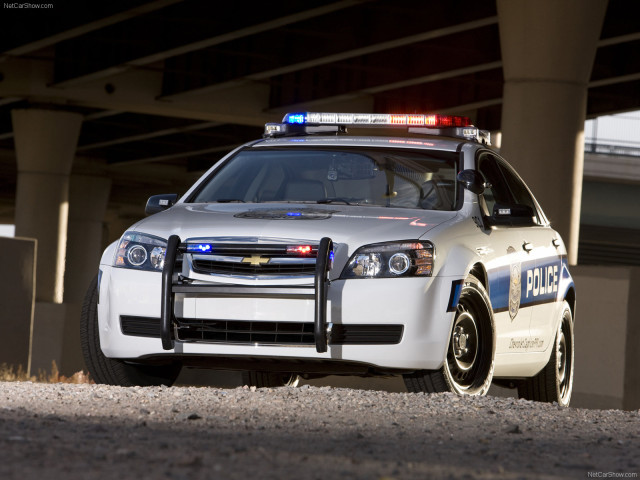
(543, 280)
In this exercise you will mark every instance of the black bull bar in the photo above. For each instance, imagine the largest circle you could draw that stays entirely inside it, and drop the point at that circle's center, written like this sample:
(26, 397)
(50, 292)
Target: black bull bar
(171, 286)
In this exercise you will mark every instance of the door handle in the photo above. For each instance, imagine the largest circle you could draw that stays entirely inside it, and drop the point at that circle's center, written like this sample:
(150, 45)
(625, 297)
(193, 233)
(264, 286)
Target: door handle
(527, 246)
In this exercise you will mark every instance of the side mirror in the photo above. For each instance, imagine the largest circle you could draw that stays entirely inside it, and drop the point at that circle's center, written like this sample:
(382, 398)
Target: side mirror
(472, 180)
(512, 214)
(158, 203)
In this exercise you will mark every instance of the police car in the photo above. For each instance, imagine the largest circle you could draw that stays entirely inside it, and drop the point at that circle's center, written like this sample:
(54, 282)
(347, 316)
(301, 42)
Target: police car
(344, 244)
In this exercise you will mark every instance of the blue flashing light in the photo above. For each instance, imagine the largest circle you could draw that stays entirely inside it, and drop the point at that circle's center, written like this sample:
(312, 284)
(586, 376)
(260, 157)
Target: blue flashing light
(331, 255)
(294, 214)
(199, 247)
(298, 118)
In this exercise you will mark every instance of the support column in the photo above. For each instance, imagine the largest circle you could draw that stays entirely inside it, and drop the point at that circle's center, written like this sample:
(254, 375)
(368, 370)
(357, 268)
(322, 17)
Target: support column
(88, 197)
(548, 48)
(45, 143)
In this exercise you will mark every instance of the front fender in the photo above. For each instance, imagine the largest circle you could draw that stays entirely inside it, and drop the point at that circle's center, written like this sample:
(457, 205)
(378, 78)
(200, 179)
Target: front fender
(107, 255)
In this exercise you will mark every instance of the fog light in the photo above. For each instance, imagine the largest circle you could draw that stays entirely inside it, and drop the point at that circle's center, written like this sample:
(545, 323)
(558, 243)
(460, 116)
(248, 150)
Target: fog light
(157, 258)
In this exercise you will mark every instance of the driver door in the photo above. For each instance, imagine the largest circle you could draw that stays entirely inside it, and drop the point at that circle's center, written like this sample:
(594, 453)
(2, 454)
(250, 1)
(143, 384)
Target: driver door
(513, 257)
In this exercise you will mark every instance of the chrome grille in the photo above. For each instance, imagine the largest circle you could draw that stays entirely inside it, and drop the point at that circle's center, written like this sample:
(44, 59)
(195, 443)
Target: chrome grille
(254, 260)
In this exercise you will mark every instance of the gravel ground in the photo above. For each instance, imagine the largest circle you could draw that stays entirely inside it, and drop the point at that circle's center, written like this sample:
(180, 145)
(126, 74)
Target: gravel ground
(96, 431)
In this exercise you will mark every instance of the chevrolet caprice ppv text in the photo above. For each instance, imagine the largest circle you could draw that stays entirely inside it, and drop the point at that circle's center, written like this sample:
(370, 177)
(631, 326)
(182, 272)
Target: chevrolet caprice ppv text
(405, 246)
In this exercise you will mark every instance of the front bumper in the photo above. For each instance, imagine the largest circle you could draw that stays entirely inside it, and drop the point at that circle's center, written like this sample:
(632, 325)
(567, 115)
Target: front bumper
(399, 323)
(418, 305)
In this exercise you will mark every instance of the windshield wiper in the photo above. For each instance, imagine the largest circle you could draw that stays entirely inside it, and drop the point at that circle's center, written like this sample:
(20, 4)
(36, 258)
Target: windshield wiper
(335, 200)
(229, 200)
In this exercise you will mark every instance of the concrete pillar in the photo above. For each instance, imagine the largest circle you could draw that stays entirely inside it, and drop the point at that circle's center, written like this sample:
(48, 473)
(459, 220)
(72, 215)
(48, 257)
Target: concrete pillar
(18, 260)
(607, 336)
(548, 48)
(88, 197)
(45, 143)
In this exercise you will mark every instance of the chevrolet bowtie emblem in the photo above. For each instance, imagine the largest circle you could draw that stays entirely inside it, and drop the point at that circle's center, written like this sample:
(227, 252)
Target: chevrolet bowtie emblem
(255, 260)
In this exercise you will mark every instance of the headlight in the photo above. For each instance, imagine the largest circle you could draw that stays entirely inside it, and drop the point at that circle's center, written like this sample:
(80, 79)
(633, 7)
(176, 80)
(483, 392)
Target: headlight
(140, 251)
(389, 260)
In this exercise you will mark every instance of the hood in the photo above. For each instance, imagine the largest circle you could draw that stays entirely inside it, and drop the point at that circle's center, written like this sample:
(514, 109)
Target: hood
(277, 222)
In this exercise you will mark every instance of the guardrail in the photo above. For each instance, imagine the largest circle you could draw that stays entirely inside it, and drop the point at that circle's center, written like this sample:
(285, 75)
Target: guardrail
(617, 150)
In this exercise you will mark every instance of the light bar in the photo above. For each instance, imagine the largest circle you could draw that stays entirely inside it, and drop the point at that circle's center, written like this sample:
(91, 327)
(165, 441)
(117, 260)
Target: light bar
(376, 119)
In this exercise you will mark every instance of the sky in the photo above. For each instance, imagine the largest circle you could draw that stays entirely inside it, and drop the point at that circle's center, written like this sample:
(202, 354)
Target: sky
(7, 230)
(622, 129)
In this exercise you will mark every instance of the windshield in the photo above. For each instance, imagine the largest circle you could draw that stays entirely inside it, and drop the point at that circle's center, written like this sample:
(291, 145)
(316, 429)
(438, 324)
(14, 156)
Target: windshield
(380, 177)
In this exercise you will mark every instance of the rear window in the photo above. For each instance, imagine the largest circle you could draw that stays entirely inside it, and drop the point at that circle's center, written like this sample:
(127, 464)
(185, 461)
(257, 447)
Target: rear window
(380, 177)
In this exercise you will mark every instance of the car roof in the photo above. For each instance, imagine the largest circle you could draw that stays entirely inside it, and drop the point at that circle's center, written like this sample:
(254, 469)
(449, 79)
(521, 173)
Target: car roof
(422, 142)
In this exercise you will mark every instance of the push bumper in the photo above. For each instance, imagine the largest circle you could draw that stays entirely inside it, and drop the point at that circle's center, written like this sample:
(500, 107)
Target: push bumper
(415, 306)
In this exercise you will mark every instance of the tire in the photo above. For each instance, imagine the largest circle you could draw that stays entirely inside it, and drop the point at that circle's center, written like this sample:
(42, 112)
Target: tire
(110, 371)
(554, 383)
(270, 379)
(468, 367)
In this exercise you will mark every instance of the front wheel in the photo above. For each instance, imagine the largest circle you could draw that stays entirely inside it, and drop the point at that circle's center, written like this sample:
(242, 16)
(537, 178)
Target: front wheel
(555, 382)
(111, 371)
(468, 367)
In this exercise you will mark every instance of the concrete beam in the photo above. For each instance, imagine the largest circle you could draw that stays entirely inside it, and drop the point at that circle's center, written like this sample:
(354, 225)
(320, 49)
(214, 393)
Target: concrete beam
(148, 136)
(209, 42)
(87, 27)
(343, 55)
(137, 92)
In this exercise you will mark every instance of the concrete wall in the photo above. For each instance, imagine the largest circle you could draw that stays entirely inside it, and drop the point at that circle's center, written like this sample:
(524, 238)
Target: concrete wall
(607, 337)
(17, 296)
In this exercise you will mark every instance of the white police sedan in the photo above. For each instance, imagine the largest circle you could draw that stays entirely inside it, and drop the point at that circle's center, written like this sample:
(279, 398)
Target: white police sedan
(407, 247)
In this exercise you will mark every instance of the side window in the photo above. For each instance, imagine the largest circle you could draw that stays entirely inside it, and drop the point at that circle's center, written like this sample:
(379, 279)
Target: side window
(518, 190)
(499, 191)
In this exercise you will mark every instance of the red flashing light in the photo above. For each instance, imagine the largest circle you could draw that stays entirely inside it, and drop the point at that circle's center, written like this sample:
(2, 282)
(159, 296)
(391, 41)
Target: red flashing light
(300, 249)
(451, 121)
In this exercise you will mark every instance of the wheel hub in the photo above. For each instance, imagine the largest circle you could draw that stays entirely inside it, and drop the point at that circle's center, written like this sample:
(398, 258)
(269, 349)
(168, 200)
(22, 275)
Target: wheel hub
(561, 356)
(464, 341)
(460, 342)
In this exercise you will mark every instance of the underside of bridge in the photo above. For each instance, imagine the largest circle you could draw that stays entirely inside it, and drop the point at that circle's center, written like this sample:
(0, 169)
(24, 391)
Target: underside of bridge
(166, 87)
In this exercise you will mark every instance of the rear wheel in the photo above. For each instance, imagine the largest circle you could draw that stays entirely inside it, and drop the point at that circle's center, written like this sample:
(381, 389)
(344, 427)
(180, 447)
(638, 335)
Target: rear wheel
(270, 379)
(111, 371)
(468, 368)
(555, 382)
